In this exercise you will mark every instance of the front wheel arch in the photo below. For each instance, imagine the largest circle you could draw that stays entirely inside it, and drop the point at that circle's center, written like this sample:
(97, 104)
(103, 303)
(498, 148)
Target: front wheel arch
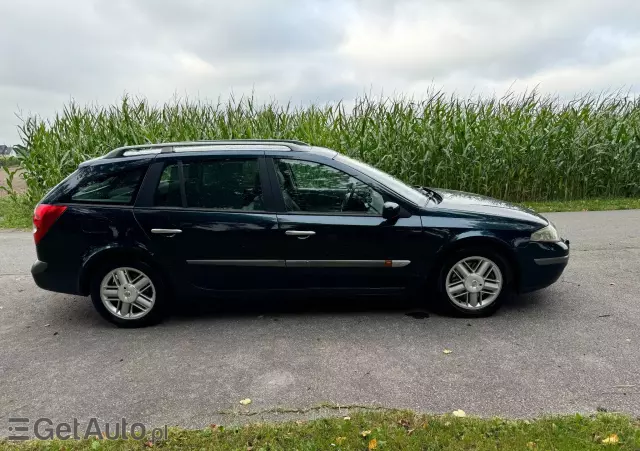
(498, 245)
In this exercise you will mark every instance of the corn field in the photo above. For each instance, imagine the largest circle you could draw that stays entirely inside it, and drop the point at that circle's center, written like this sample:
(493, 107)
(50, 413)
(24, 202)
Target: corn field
(518, 148)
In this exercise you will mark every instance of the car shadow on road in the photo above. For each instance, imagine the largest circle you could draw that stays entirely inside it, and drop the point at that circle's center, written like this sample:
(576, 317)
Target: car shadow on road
(292, 305)
(192, 310)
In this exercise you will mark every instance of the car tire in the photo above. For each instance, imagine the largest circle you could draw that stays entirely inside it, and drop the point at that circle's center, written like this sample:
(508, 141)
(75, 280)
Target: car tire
(456, 289)
(145, 304)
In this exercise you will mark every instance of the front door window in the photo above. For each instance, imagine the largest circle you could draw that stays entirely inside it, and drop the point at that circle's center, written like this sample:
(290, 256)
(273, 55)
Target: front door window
(317, 188)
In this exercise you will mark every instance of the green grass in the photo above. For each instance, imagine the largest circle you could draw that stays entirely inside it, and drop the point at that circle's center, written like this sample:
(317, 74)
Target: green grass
(389, 430)
(15, 213)
(526, 148)
(585, 205)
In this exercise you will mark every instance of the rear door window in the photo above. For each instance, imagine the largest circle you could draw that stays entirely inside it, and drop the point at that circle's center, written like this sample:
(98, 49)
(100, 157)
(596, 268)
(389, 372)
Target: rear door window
(221, 184)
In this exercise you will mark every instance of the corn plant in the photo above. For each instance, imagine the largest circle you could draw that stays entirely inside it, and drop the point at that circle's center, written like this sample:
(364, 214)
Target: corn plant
(518, 148)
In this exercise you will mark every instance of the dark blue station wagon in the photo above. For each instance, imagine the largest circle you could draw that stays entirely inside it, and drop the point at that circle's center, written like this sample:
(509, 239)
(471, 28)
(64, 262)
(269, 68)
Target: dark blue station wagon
(145, 226)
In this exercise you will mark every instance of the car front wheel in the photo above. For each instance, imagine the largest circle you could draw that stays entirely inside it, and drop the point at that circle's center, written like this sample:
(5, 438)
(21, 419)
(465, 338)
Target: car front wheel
(128, 295)
(474, 282)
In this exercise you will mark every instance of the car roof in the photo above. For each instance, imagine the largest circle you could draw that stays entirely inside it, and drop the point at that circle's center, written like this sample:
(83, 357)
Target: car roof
(228, 144)
(152, 149)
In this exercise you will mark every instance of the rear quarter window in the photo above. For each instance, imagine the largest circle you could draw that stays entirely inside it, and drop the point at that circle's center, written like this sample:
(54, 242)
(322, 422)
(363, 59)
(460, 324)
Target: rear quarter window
(114, 188)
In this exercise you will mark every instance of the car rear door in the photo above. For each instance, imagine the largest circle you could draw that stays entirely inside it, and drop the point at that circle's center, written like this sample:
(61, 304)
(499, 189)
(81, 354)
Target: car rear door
(332, 242)
(210, 220)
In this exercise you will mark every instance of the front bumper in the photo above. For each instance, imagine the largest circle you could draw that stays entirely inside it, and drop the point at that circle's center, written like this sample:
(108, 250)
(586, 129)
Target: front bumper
(552, 261)
(541, 264)
(48, 278)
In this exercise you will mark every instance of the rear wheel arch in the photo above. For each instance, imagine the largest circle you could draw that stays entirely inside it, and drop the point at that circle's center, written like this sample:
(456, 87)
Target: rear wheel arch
(115, 254)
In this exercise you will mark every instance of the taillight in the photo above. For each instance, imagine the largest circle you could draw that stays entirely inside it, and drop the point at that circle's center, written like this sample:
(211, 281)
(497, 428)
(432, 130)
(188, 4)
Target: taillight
(43, 218)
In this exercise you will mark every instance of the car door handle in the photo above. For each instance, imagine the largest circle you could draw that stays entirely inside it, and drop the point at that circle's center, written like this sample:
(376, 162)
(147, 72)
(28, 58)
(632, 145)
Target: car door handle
(301, 234)
(166, 231)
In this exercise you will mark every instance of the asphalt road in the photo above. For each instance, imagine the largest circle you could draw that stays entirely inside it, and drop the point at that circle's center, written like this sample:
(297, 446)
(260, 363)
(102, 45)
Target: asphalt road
(573, 347)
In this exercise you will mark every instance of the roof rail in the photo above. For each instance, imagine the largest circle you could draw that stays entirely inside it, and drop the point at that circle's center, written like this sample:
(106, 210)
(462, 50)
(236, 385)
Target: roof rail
(143, 149)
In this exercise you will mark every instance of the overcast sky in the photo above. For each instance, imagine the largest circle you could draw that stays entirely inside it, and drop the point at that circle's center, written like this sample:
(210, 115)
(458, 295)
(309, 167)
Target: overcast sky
(307, 50)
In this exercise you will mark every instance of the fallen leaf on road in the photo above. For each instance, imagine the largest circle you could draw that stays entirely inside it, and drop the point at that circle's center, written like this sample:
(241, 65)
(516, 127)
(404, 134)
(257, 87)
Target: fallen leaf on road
(447, 351)
(365, 433)
(245, 402)
(459, 413)
(611, 440)
(373, 444)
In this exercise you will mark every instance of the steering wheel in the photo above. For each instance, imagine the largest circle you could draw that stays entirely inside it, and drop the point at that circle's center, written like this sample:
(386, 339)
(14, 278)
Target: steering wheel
(347, 197)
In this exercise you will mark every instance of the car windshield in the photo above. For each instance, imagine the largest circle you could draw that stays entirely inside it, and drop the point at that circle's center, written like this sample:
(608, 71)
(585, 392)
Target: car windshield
(389, 181)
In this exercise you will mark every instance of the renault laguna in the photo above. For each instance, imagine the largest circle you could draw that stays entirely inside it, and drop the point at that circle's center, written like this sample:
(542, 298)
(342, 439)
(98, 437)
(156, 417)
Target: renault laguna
(142, 227)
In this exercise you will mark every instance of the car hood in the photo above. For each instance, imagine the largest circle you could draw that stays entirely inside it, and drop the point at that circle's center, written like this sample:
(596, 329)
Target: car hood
(474, 203)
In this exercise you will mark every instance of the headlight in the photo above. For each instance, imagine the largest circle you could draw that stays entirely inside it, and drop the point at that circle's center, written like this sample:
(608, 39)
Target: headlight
(548, 233)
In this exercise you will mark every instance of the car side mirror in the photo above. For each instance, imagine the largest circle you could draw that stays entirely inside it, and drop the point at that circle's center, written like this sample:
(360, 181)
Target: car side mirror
(390, 211)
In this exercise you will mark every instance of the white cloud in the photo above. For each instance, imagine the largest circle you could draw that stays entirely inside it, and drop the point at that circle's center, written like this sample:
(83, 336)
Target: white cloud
(307, 50)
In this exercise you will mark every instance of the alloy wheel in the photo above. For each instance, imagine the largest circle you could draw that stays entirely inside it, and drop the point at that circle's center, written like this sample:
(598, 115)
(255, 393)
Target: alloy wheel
(127, 293)
(474, 283)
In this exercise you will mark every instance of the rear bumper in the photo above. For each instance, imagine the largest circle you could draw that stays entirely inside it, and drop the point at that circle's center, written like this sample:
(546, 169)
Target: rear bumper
(49, 279)
(542, 264)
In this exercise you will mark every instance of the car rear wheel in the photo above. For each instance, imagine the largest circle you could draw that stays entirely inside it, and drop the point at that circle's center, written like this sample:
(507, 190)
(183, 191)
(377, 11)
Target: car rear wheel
(128, 294)
(474, 282)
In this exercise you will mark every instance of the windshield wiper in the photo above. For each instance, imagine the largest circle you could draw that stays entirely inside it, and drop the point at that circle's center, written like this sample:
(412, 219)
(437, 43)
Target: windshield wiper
(429, 193)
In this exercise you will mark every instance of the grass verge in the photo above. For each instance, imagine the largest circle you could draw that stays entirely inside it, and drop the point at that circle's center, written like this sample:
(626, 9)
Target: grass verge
(585, 205)
(387, 430)
(16, 214)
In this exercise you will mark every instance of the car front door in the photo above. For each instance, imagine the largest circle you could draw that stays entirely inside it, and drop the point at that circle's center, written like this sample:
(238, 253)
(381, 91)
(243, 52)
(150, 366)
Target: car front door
(332, 229)
(209, 220)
